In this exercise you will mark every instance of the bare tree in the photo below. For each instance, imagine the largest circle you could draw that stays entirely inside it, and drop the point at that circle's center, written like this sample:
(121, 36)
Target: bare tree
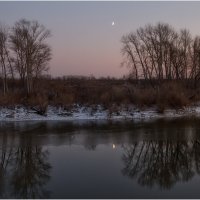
(4, 57)
(31, 53)
(195, 60)
(159, 52)
(128, 52)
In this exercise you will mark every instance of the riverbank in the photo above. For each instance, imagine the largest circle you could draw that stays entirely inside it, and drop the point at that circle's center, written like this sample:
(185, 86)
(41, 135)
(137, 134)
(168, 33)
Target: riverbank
(77, 112)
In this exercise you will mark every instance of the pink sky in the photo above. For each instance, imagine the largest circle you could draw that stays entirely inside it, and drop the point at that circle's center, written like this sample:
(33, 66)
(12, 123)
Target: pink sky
(84, 42)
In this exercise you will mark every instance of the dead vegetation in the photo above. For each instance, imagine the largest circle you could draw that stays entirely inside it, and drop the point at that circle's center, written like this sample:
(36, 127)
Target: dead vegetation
(110, 93)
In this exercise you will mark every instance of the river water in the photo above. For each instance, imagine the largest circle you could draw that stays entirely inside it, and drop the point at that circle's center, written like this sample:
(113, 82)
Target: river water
(88, 159)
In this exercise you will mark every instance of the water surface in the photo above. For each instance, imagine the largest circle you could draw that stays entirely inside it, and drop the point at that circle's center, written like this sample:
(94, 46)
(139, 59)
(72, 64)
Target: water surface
(83, 159)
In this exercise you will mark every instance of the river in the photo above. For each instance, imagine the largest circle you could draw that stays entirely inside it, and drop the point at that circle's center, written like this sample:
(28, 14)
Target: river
(100, 159)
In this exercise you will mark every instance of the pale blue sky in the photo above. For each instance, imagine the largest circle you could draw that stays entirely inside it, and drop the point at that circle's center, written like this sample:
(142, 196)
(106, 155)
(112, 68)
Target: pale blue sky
(83, 40)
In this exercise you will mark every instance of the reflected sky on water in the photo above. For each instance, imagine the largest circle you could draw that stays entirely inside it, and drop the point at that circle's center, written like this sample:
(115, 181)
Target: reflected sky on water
(86, 159)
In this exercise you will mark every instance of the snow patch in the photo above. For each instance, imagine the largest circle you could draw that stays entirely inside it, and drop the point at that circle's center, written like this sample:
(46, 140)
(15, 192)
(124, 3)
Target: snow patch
(20, 113)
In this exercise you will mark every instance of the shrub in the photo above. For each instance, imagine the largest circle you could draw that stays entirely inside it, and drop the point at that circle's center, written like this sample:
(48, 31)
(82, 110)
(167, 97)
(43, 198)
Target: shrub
(172, 95)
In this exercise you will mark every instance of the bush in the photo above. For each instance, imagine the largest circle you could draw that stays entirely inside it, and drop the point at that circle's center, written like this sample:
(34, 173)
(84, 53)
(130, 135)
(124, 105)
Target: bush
(144, 97)
(172, 95)
(104, 91)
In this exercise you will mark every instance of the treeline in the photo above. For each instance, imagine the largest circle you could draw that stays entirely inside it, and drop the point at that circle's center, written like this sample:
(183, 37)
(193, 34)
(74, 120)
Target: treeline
(24, 54)
(160, 52)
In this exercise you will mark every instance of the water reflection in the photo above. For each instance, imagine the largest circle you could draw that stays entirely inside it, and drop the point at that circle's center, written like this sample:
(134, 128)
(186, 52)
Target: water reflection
(59, 159)
(161, 163)
(24, 169)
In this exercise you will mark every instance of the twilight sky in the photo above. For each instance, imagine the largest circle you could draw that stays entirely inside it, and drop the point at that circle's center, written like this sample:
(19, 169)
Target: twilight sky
(84, 42)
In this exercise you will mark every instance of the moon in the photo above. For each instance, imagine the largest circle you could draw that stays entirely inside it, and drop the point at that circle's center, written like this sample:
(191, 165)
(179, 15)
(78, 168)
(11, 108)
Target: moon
(113, 23)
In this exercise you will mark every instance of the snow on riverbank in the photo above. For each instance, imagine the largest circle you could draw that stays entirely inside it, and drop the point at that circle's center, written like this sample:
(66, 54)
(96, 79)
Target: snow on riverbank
(20, 113)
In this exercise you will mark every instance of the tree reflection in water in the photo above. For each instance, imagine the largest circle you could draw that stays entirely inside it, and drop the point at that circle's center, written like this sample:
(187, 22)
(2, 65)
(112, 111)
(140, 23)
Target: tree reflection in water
(6, 153)
(161, 163)
(31, 173)
(24, 169)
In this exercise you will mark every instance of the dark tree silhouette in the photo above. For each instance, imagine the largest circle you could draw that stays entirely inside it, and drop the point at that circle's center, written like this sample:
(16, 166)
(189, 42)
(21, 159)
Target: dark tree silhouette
(160, 52)
(30, 171)
(161, 163)
(31, 53)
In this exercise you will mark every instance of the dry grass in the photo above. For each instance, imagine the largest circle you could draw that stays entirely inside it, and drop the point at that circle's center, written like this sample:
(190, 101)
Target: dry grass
(173, 95)
(144, 97)
(10, 99)
(107, 92)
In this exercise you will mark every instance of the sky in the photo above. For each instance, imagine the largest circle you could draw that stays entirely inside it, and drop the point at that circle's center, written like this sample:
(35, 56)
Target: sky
(83, 40)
